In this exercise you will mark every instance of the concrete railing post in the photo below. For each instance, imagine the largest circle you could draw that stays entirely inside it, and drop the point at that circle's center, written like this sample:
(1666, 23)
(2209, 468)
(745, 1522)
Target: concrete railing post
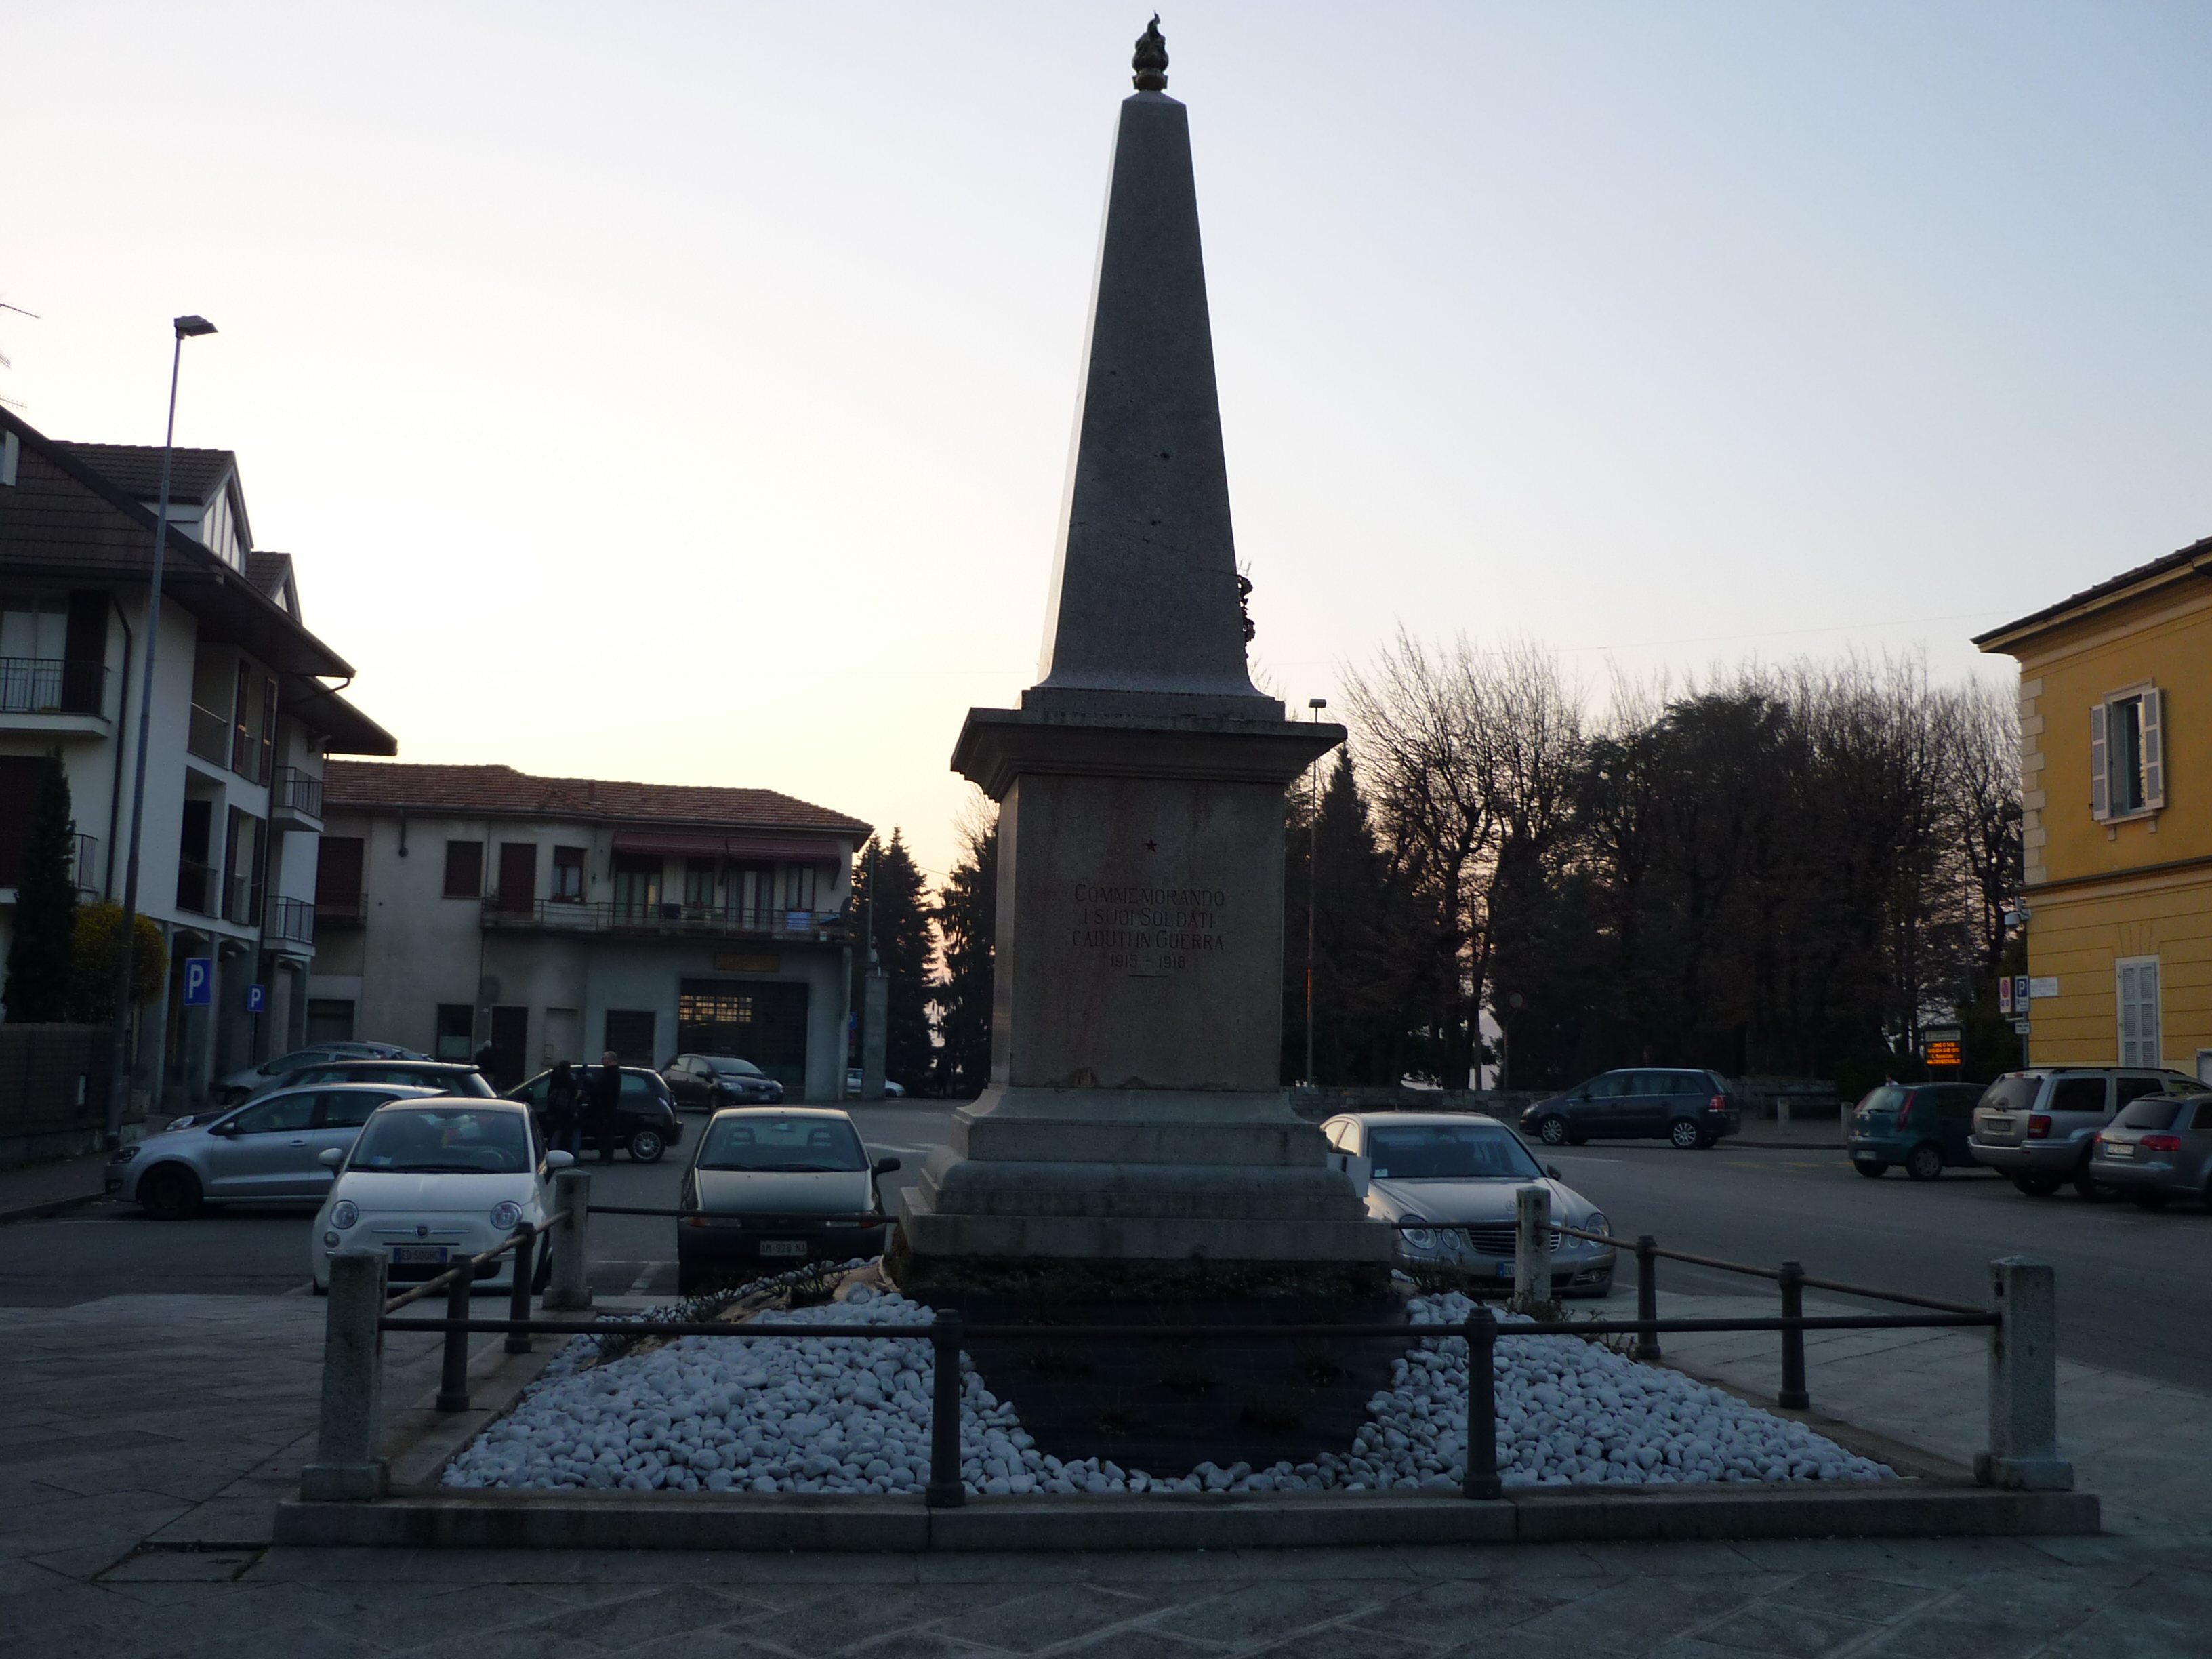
(570, 1286)
(2023, 1452)
(349, 1460)
(1532, 1248)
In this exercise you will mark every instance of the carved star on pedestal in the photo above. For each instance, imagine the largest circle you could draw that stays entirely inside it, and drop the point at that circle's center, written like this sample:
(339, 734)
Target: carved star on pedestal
(1151, 847)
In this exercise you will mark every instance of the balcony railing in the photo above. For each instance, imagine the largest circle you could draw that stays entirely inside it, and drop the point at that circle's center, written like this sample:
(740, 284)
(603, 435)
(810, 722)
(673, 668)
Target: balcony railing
(84, 866)
(197, 887)
(698, 920)
(291, 919)
(45, 685)
(85, 871)
(341, 912)
(294, 791)
(208, 735)
(242, 901)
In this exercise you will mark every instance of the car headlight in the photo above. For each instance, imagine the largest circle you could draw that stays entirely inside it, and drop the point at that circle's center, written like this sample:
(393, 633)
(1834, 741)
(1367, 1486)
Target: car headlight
(1597, 1223)
(123, 1155)
(506, 1215)
(344, 1213)
(1418, 1237)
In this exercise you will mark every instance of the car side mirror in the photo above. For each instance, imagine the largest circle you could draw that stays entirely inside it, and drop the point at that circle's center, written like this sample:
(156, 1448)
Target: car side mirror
(330, 1157)
(559, 1160)
(1552, 1171)
(887, 1166)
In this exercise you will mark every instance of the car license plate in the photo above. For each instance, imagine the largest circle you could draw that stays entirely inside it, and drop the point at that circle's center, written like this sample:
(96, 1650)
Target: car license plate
(783, 1247)
(1506, 1269)
(419, 1253)
(2119, 1149)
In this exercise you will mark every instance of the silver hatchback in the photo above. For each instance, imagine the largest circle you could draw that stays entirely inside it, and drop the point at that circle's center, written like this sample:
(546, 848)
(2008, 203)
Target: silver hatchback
(2159, 1148)
(268, 1152)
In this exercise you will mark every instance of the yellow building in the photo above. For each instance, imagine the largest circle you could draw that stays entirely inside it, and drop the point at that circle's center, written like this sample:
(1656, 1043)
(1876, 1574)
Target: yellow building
(2116, 779)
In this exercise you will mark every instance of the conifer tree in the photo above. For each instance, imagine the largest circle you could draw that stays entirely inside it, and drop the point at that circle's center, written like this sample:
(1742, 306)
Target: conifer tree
(888, 874)
(38, 984)
(967, 927)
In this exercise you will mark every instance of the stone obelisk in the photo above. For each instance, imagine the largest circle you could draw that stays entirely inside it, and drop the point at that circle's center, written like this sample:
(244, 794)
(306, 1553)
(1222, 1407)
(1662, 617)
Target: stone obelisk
(1135, 1135)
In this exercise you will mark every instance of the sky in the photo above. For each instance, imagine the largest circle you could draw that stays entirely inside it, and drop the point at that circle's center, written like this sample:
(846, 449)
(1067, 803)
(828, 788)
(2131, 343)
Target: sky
(682, 392)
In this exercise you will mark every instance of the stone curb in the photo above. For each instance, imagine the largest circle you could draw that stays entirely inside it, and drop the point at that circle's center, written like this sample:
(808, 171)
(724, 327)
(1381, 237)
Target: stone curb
(714, 1521)
(52, 1206)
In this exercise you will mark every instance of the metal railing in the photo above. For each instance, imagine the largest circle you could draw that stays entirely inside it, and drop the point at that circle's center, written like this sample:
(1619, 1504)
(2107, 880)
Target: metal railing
(659, 917)
(2021, 1319)
(294, 791)
(197, 889)
(291, 919)
(341, 912)
(207, 735)
(52, 685)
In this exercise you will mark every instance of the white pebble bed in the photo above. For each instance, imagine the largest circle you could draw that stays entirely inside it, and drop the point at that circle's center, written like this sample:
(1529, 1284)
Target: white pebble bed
(852, 1415)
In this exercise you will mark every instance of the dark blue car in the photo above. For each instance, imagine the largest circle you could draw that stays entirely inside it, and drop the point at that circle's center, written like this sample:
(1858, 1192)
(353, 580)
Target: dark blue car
(1922, 1126)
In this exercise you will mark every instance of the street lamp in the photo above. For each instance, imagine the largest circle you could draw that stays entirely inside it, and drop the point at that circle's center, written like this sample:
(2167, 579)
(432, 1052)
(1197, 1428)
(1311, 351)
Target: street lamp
(1313, 886)
(119, 1080)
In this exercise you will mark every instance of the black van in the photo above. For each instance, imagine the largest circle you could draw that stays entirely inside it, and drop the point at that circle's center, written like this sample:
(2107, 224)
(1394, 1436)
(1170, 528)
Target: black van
(1691, 1108)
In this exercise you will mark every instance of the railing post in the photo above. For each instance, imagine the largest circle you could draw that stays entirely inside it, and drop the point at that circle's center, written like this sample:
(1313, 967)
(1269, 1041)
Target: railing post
(1647, 1299)
(1532, 1248)
(571, 1284)
(945, 1491)
(1480, 1479)
(517, 1304)
(2023, 1452)
(349, 1460)
(1792, 1396)
(453, 1375)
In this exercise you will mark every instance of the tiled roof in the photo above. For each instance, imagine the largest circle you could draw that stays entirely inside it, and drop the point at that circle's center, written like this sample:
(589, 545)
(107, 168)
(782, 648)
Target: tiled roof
(2195, 552)
(501, 789)
(136, 468)
(271, 572)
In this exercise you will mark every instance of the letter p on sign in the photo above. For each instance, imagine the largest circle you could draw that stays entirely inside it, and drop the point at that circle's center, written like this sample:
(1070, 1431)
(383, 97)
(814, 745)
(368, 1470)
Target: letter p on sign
(199, 981)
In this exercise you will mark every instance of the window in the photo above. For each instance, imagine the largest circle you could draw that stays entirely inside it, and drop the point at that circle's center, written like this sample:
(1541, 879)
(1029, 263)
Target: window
(2127, 754)
(337, 877)
(291, 1111)
(629, 1034)
(568, 875)
(1449, 1152)
(799, 887)
(2149, 1114)
(11, 455)
(637, 886)
(2076, 1094)
(456, 1028)
(329, 1019)
(699, 884)
(348, 1108)
(2138, 992)
(464, 869)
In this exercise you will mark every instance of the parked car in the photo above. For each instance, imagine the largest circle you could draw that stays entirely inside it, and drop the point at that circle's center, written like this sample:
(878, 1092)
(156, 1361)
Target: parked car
(241, 1086)
(2158, 1148)
(1925, 1126)
(2040, 1126)
(891, 1091)
(1691, 1108)
(710, 1081)
(649, 1124)
(1462, 1172)
(435, 1180)
(802, 1161)
(446, 1076)
(268, 1152)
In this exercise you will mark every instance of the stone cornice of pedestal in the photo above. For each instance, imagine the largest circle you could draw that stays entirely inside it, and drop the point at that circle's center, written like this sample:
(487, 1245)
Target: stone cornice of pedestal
(998, 745)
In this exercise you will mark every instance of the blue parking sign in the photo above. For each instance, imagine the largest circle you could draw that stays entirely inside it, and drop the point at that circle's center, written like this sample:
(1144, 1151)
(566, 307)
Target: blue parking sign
(257, 999)
(199, 981)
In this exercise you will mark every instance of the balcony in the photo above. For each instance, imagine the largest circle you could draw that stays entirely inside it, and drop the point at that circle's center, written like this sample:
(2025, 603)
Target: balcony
(336, 911)
(242, 901)
(197, 887)
(208, 736)
(85, 870)
(296, 800)
(291, 919)
(51, 695)
(659, 919)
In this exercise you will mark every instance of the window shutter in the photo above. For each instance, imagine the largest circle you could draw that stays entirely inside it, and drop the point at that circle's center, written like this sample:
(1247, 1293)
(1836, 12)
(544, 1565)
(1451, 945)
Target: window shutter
(2154, 749)
(2100, 780)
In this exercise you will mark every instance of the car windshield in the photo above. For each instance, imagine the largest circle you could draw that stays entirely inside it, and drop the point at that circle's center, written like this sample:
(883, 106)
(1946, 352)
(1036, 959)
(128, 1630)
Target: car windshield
(443, 1139)
(1448, 1151)
(2011, 1094)
(792, 1145)
(1888, 1098)
(2153, 1112)
(735, 1067)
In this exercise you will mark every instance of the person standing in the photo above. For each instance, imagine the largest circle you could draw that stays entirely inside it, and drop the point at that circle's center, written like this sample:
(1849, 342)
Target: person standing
(562, 1126)
(603, 1114)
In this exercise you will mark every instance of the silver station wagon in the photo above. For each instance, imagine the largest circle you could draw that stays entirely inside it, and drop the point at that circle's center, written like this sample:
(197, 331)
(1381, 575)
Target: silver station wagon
(2159, 1148)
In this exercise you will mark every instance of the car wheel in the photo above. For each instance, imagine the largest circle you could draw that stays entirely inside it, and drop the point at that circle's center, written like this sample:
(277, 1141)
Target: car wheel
(1872, 1168)
(170, 1193)
(2036, 1186)
(1926, 1163)
(1685, 1134)
(2146, 1198)
(1552, 1131)
(646, 1146)
(2086, 1186)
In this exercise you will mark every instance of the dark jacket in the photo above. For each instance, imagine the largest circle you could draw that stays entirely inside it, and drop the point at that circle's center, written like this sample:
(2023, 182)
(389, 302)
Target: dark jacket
(603, 1102)
(561, 1096)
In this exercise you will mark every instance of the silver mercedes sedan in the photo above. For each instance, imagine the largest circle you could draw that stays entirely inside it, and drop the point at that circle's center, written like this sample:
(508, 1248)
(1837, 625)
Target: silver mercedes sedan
(1459, 1171)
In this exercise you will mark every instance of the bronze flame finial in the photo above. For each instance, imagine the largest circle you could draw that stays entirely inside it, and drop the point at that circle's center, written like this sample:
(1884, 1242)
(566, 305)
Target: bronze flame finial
(1151, 62)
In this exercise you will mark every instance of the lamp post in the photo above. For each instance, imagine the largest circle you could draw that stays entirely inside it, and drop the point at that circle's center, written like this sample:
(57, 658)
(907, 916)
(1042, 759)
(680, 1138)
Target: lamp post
(119, 1080)
(1313, 887)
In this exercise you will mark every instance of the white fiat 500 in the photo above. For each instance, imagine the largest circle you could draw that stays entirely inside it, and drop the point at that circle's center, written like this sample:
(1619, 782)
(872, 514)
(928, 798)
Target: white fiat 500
(436, 1182)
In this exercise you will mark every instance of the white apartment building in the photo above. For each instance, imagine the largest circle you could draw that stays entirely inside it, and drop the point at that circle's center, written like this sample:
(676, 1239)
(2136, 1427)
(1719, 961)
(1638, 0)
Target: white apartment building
(242, 721)
(555, 917)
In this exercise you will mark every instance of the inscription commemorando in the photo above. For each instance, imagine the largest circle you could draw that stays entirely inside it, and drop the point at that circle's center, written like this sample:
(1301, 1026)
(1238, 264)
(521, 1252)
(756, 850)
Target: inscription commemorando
(1149, 931)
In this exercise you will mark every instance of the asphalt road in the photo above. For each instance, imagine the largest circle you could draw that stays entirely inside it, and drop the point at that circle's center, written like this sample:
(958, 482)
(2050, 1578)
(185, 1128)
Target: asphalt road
(2133, 1294)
